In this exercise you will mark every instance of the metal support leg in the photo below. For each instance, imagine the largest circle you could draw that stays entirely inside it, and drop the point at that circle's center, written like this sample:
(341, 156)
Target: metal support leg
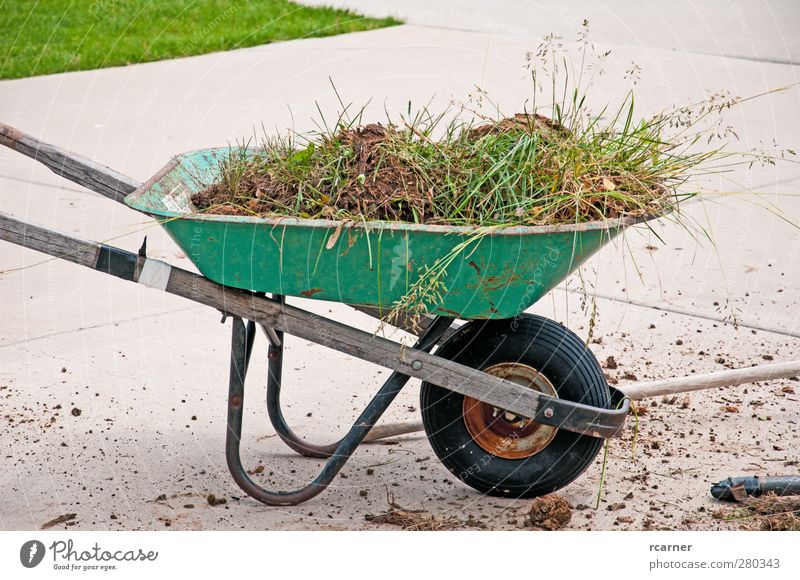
(274, 374)
(294, 441)
(241, 344)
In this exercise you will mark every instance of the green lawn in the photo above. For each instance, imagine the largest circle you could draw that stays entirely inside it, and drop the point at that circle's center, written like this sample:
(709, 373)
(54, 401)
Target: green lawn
(52, 36)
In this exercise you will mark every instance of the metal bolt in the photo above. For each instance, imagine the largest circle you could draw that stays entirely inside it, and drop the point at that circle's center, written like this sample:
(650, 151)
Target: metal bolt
(416, 365)
(548, 413)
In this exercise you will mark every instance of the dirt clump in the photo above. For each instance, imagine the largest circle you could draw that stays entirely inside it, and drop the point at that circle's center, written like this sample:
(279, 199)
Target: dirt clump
(551, 512)
(213, 500)
(62, 519)
(380, 182)
(519, 122)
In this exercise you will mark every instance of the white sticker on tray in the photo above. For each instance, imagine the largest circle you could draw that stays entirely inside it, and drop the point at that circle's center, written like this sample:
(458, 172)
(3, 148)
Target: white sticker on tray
(177, 199)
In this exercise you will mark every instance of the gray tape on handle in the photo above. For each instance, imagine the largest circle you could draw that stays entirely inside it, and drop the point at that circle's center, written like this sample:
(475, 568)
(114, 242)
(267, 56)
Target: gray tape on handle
(155, 274)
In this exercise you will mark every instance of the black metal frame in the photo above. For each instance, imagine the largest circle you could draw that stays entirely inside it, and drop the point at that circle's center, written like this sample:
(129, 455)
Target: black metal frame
(242, 340)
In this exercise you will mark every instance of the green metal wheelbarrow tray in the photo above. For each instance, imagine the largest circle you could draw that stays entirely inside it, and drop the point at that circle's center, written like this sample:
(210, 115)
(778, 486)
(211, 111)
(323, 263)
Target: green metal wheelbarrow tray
(374, 264)
(513, 404)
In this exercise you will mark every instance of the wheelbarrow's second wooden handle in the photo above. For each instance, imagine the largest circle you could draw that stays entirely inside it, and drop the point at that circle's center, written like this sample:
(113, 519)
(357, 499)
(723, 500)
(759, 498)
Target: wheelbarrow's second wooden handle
(639, 391)
(731, 378)
(387, 430)
(78, 169)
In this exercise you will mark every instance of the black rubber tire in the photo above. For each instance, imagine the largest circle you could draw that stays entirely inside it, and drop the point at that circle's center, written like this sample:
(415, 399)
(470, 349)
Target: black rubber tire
(552, 350)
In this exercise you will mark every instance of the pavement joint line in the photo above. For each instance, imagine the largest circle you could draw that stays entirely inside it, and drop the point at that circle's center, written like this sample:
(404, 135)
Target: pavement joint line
(96, 326)
(777, 183)
(747, 58)
(636, 303)
(522, 38)
(43, 184)
(684, 312)
(751, 190)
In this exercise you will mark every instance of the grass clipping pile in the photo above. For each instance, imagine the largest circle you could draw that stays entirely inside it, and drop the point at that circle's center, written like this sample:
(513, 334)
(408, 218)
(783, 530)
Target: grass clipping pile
(526, 169)
(769, 513)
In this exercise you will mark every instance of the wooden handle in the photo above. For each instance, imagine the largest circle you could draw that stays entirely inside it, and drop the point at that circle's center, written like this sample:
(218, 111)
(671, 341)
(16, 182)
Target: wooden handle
(78, 169)
(393, 430)
(638, 391)
(729, 378)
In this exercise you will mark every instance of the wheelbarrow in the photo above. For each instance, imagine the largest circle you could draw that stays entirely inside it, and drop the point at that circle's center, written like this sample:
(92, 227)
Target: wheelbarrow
(513, 404)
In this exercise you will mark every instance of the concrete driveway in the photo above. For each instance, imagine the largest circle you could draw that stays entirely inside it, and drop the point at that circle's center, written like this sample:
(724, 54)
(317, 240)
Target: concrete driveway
(113, 395)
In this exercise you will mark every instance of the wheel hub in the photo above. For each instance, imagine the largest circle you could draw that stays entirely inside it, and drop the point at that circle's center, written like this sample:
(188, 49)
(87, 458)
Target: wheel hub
(503, 433)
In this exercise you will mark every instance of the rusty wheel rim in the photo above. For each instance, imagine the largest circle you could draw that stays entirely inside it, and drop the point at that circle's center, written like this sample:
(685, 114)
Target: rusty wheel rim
(502, 433)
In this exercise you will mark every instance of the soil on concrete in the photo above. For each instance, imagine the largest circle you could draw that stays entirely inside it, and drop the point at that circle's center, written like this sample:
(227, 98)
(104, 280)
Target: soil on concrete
(657, 476)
